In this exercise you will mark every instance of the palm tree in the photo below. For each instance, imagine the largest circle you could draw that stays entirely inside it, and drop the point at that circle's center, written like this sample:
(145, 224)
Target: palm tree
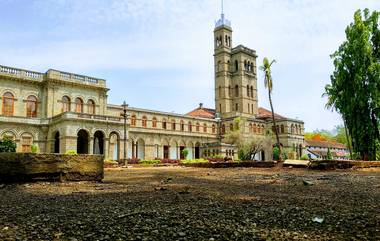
(268, 81)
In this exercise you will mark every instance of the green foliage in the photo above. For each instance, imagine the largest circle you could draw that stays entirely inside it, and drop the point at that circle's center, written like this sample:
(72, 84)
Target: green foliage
(71, 152)
(34, 148)
(149, 162)
(355, 83)
(329, 156)
(7, 145)
(185, 153)
(111, 162)
(304, 157)
(248, 145)
(276, 154)
(193, 161)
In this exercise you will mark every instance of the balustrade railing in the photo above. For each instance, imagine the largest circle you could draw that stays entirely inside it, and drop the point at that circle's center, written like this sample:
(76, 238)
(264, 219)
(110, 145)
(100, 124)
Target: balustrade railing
(68, 76)
(21, 73)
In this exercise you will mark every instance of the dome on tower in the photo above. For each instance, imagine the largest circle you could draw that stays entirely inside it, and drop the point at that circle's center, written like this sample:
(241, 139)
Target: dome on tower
(223, 22)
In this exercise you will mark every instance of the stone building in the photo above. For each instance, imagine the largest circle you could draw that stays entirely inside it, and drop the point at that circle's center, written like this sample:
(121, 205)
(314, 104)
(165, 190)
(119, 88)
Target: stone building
(60, 111)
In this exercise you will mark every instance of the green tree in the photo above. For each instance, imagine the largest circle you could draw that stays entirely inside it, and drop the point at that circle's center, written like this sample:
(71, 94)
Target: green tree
(185, 152)
(355, 83)
(248, 145)
(7, 145)
(268, 81)
(329, 156)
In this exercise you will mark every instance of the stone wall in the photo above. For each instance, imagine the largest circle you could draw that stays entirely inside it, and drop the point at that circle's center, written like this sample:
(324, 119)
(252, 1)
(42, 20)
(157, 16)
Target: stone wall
(27, 166)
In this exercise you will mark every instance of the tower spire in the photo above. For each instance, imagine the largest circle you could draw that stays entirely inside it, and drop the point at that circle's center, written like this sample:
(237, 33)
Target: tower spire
(222, 20)
(222, 7)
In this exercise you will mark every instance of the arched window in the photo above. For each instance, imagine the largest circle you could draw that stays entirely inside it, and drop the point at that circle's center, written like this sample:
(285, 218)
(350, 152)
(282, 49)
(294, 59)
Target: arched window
(252, 108)
(229, 41)
(250, 127)
(252, 91)
(226, 40)
(223, 129)
(220, 92)
(8, 104)
(182, 125)
(236, 91)
(236, 107)
(282, 129)
(66, 104)
(248, 91)
(204, 127)
(249, 109)
(190, 126)
(213, 128)
(164, 124)
(144, 121)
(173, 125)
(154, 122)
(78, 105)
(292, 129)
(254, 130)
(133, 120)
(231, 127)
(91, 107)
(228, 65)
(245, 64)
(197, 127)
(220, 107)
(251, 67)
(31, 106)
(236, 65)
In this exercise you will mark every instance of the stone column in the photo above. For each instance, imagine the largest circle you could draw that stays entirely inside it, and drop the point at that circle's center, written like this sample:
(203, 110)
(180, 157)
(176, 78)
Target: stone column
(106, 147)
(91, 145)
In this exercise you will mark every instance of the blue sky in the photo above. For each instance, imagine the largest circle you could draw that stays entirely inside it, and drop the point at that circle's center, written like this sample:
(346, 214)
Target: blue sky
(157, 54)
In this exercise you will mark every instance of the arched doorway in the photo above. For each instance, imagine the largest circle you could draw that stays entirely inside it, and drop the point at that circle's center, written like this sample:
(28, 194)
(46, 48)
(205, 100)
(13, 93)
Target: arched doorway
(140, 149)
(197, 150)
(98, 143)
(82, 142)
(114, 146)
(56, 142)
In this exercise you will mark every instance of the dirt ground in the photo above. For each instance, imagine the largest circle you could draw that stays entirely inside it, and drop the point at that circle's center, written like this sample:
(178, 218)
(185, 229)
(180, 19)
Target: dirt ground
(177, 203)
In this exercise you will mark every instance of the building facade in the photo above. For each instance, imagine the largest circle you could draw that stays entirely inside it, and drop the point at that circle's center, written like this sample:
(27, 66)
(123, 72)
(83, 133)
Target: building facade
(60, 111)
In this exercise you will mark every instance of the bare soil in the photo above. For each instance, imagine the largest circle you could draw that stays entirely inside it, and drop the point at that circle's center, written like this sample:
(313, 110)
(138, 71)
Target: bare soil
(178, 203)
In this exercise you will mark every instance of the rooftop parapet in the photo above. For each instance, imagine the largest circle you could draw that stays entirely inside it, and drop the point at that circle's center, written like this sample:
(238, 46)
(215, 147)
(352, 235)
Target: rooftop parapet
(241, 48)
(20, 73)
(65, 76)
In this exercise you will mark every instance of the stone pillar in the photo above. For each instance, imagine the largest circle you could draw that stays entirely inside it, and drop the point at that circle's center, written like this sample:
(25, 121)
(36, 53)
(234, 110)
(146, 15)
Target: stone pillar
(106, 147)
(67, 143)
(91, 145)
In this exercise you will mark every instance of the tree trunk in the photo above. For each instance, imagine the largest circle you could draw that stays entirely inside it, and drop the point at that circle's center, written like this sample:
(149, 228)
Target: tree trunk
(347, 138)
(275, 126)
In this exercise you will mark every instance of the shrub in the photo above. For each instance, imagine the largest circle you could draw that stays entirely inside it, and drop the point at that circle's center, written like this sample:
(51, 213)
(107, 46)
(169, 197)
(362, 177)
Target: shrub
(71, 152)
(185, 153)
(7, 145)
(276, 154)
(111, 162)
(193, 161)
(34, 148)
(149, 162)
(304, 157)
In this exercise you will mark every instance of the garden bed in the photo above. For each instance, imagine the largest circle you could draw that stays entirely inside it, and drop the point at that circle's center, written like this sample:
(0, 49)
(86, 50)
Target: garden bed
(262, 164)
(341, 164)
(20, 167)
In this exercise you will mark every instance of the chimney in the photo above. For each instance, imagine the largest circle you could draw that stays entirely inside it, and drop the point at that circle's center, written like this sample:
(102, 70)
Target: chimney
(200, 105)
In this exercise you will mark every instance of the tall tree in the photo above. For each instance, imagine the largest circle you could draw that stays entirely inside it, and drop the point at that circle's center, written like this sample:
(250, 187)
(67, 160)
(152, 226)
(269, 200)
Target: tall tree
(268, 81)
(355, 83)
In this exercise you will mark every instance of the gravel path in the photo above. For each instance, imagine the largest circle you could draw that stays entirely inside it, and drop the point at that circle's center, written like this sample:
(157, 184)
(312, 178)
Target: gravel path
(176, 203)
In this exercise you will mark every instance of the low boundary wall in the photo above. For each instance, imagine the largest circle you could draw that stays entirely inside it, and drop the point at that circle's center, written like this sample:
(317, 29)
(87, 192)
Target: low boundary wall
(19, 167)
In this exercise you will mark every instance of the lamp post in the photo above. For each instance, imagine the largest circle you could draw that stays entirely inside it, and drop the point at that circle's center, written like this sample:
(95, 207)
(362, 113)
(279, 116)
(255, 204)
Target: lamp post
(125, 116)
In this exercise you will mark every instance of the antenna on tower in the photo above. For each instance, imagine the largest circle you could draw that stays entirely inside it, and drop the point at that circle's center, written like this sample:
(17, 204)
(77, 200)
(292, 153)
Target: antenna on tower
(222, 7)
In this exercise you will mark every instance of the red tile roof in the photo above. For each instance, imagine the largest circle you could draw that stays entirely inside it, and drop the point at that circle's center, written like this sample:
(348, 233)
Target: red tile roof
(202, 112)
(267, 114)
(325, 144)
